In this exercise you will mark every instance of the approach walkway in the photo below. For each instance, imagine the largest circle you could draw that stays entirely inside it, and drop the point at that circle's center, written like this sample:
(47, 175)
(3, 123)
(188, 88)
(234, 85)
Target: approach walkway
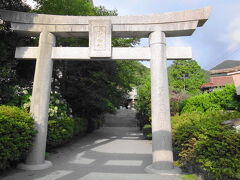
(117, 151)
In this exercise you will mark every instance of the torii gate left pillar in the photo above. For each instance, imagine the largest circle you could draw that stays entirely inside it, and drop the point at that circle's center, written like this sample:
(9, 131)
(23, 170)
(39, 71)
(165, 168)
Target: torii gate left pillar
(100, 31)
(40, 102)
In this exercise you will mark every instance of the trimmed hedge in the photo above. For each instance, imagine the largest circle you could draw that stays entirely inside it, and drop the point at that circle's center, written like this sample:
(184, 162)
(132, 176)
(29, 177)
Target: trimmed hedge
(80, 126)
(62, 130)
(219, 99)
(59, 131)
(203, 145)
(16, 134)
(61, 126)
(147, 131)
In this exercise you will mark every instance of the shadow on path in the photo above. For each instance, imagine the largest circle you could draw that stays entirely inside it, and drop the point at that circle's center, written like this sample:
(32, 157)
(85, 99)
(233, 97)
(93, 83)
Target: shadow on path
(111, 152)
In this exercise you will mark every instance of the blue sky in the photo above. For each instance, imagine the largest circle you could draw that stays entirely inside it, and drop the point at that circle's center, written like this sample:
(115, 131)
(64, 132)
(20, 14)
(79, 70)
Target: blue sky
(216, 41)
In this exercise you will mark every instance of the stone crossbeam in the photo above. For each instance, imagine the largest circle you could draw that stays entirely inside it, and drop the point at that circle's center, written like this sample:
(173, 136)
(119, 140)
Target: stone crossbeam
(172, 24)
(137, 31)
(190, 15)
(82, 53)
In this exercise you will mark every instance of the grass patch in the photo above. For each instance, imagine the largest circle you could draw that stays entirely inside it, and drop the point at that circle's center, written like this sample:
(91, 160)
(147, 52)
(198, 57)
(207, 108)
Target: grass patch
(190, 177)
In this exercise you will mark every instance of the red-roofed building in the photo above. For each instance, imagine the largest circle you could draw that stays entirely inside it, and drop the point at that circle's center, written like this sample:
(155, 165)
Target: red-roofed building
(215, 82)
(223, 74)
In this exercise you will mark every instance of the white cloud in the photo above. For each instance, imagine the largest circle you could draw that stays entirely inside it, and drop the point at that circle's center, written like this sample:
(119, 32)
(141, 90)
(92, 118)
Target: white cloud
(190, 2)
(234, 34)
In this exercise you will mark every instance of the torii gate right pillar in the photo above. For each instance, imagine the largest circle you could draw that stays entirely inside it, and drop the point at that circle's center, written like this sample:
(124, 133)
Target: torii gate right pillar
(161, 125)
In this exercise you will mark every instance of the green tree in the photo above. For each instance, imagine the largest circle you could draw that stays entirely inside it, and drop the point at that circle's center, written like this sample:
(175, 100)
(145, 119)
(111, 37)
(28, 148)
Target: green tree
(144, 101)
(131, 73)
(9, 40)
(91, 88)
(186, 76)
(14, 5)
(65, 7)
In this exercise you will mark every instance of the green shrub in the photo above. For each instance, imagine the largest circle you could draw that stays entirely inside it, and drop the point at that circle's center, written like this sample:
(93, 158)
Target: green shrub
(16, 134)
(147, 126)
(60, 131)
(144, 102)
(80, 126)
(147, 131)
(143, 105)
(190, 177)
(204, 145)
(219, 99)
(60, 125)
(176, 101)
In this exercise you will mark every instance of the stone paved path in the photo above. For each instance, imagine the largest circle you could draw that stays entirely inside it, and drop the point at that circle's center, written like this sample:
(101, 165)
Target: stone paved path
(115, 152)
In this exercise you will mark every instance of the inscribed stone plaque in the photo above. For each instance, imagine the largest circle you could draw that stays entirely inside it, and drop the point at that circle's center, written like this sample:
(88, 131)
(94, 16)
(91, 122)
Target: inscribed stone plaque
(100, 38)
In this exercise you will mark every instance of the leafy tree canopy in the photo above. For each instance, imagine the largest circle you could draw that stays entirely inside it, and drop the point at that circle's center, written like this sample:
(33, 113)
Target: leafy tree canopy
(91, 88)
(186, 76)
(9, 40)
(14, 5)
(73, 7)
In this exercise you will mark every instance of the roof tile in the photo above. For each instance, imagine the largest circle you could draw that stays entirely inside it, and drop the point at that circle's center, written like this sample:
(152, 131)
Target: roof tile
(218, 81)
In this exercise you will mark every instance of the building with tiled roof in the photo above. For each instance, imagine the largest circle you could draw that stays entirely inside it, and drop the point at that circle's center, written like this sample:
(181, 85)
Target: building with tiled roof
(227, 72)
(219, 81)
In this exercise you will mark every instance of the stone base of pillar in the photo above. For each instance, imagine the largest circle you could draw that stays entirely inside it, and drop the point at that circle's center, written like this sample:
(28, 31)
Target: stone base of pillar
(34, 167)
(151, 170)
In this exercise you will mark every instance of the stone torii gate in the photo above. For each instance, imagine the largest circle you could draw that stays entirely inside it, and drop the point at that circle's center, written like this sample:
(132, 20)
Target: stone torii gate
(100, 31)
